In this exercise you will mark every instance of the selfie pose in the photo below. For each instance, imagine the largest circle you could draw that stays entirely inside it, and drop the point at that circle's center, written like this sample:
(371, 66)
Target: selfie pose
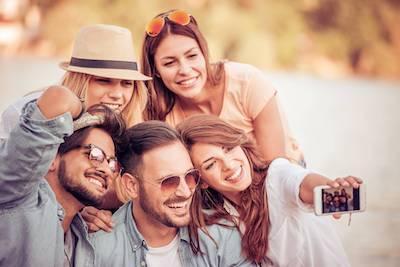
(176, 56)
(51, 168)
(271, 204)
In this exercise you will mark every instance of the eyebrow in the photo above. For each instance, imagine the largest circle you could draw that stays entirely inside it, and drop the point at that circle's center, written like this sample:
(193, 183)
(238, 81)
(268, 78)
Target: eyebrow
(186, 52)
(205, 161)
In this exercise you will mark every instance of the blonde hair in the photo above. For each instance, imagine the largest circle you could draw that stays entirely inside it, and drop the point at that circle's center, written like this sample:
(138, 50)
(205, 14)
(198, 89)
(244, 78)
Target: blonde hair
(132, 114)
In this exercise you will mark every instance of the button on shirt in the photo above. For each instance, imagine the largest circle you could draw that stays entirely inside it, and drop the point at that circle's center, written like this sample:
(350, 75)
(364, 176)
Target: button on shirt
(31, 233)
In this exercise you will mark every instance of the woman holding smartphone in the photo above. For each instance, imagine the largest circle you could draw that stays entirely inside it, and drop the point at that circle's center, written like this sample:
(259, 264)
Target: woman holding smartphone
(175, 55)
(267, 202)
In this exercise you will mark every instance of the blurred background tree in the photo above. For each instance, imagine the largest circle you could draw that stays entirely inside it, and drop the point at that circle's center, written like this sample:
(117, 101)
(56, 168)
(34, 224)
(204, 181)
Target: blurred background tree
(327, 37)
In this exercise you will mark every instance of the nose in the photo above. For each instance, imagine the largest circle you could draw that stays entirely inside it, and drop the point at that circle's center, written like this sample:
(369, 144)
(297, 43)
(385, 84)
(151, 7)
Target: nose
(183, 190)
(228, 164)
(184, 68)
(105, 171)
(116, 91)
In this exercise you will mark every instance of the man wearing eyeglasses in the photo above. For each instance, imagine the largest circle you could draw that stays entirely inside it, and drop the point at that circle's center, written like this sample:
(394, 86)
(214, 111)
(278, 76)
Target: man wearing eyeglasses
(48, 173)
(151, 229)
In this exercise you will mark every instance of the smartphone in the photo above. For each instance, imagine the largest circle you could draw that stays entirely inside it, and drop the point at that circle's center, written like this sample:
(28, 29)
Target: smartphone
(328, 200)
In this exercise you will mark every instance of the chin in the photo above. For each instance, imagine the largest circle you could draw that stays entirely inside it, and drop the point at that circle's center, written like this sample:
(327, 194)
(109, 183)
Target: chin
(182, 222)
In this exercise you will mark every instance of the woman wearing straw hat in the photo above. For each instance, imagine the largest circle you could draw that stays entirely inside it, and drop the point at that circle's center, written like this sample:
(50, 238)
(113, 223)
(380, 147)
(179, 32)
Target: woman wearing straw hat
(102, 69)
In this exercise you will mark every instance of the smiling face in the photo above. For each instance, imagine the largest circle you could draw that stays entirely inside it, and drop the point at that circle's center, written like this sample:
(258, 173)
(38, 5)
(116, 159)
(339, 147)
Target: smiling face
(157, 207)
(181, 65)
(227, 170)
(86, 181)
(113, 93)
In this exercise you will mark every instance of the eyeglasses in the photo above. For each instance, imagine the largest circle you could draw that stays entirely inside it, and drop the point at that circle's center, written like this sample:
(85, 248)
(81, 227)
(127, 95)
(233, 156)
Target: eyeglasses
(169, 184)
(97, 156)
(155, 26)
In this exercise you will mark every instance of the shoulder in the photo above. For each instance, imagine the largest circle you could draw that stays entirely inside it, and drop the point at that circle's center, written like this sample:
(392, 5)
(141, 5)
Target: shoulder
(112, 246)
(225, 245)
(221, 233)
(236, 70)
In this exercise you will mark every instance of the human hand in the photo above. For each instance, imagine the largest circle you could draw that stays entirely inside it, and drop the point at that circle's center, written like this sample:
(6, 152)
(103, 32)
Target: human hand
(97, 219)
(345, 181)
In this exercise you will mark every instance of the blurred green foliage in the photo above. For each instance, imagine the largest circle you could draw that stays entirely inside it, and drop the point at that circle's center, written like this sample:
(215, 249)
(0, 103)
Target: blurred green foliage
(330, 37)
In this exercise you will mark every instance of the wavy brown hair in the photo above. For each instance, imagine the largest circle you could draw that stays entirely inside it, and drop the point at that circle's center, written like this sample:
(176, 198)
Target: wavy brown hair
(253, 208)
(161, 99)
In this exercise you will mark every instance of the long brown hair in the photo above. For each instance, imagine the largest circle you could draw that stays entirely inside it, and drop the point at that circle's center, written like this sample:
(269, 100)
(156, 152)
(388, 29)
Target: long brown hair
(161, 99)
(253, 209)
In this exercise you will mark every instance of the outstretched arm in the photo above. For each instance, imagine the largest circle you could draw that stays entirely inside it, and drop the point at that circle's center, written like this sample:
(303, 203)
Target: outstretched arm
(313, 179)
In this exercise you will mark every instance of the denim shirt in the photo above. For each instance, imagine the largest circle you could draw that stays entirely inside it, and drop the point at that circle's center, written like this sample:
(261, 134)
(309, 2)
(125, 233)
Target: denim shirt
(31, 232)
(125, 246)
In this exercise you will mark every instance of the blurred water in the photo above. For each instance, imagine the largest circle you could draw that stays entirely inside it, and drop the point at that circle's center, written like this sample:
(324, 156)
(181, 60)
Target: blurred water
(344, 126)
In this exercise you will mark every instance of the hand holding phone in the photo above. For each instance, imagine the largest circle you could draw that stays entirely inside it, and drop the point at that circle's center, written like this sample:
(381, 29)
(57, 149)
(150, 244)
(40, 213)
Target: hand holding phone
(342, 195)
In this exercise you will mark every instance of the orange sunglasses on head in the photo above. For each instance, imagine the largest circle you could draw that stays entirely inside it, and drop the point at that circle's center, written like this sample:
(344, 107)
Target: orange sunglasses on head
(155, 26)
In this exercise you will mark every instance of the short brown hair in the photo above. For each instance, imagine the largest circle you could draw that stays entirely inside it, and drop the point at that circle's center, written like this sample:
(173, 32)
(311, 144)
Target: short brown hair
(141, 138)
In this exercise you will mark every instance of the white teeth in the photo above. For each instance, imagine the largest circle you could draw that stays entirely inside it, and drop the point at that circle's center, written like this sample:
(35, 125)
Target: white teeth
(177, 205)
(188, 82)
(235, 175)
(112, 106)
(96, 182)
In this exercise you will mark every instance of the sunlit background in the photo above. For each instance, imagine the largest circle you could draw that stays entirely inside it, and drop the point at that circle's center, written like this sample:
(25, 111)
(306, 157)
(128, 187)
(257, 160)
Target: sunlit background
(335, 64)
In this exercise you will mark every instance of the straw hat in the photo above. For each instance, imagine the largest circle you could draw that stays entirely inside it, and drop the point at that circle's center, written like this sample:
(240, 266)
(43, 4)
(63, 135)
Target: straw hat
(106, 51)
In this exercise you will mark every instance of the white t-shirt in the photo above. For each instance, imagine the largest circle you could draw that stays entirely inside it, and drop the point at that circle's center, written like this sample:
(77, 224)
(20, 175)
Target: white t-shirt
(10, 116)
(164, 256)
(297, 237)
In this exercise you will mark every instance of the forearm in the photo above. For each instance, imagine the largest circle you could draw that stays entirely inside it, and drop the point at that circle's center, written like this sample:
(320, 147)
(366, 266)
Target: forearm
(57, 100)
(312, 180)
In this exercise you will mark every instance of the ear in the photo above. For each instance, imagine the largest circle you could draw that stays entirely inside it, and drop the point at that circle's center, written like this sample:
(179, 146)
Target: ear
(203, 185)
(130, 185)
(54, 164)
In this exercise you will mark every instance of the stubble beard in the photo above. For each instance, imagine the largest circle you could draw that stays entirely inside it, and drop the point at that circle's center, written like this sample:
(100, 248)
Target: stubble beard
(157, 216)
(80, 192)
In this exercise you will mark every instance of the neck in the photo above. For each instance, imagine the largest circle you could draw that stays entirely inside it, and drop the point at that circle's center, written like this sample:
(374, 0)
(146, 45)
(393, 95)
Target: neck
(70, 204)
(154, 232)
(210, 101)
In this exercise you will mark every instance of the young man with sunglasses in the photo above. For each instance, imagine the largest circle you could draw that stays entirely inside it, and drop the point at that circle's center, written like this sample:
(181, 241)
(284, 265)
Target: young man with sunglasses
(152, 228)
(48, 174)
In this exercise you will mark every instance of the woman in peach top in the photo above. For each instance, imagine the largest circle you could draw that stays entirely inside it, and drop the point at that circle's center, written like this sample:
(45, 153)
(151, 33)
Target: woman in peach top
(185, 83)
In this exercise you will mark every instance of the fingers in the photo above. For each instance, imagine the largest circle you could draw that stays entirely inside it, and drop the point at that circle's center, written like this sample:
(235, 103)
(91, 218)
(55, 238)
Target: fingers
(346, 181)
(336, 216)
(97, 219)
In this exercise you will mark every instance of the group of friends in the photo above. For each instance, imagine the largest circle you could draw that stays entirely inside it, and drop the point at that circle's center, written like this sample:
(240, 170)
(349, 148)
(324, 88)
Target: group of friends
(181, 163)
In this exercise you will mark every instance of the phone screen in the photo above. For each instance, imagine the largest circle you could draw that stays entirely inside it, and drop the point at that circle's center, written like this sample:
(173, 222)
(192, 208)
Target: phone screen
(340, 199)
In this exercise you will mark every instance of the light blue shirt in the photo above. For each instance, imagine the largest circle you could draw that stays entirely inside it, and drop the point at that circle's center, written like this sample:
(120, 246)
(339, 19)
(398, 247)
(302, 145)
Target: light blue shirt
(31, 233)
(125, 246)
